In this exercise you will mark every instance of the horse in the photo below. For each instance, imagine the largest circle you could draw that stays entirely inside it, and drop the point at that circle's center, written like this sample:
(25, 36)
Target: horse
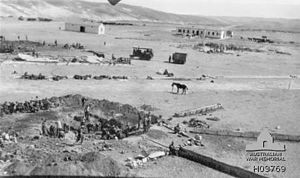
(180, 86)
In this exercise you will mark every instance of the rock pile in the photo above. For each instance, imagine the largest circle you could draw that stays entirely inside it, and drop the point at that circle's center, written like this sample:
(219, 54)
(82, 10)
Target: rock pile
(58, 77)
(33, 76)
(101, 77)
(31, 106)
(82, 77)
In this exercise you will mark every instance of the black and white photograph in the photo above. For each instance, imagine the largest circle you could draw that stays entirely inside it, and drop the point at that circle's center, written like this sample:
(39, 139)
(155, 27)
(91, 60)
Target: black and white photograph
(150, 88)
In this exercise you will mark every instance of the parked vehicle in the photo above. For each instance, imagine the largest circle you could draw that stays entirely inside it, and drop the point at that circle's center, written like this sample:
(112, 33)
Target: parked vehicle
(178, 58)
(142, 53)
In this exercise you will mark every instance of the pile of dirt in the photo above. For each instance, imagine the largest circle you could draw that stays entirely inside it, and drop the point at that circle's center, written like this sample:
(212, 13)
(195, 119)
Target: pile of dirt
(88, 164)
(101, 163)
(18, 168)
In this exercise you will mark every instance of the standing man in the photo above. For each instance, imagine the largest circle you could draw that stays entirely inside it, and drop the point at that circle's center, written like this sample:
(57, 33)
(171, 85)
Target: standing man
(87, 112)
(126, 130)
(58, 128)
(80, 136)
(139, 121)
(83, 100)
(44, 128)
(145, 124)
(148, 123)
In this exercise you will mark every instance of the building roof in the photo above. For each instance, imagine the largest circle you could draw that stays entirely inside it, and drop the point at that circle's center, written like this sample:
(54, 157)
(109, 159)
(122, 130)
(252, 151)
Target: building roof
(204, 27)
(84, 23)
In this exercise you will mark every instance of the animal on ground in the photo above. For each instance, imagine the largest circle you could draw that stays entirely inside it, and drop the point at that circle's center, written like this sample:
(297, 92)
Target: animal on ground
(179, 86)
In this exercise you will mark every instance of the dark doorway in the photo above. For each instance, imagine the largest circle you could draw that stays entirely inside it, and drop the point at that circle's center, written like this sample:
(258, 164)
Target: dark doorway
(82, 29)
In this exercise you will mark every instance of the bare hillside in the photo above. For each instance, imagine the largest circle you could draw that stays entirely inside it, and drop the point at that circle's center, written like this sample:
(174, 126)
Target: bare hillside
(101, 11)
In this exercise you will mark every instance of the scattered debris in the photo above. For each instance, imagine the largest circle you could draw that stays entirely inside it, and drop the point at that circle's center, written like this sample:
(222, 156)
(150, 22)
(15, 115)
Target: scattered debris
(58, 78)
(149, 78)
(82, 77)
(198, 123)
(213, 118)
(101, 77)
(263, 39)
(140, 160)
(33, 77)
(223, 48)
(157, 154)
(165, 72)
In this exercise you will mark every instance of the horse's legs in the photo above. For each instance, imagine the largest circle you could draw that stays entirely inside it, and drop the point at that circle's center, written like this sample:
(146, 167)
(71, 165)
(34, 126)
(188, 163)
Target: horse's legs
(177, 89)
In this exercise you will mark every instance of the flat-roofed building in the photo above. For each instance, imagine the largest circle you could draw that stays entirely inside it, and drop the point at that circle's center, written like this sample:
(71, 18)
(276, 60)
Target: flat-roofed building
(85, 27)
(204, 32)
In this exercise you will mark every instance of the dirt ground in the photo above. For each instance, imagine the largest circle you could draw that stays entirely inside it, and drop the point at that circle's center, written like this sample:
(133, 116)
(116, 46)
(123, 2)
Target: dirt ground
(254, 88)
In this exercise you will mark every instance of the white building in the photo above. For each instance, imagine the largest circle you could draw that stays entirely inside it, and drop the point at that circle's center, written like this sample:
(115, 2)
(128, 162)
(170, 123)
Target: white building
(204, 32)
(84, 27)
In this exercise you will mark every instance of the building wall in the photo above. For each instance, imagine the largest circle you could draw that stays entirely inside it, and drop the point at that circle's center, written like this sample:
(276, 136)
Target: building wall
(208, 33)
(95, 29)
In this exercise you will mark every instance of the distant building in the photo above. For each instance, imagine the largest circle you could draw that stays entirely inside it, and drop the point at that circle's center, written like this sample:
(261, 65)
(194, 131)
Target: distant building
(84, 27)
(204, 32)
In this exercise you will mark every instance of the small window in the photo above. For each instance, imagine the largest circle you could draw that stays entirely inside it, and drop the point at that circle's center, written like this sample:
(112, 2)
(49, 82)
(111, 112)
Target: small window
(213, 33)
(183, 31)
(179, 30)
(188, 31)
(208, 33)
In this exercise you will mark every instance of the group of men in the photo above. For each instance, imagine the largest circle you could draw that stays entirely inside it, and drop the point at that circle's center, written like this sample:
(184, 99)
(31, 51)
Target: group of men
(56, 131)
(75, 46)
(31, 106)
(146, 122)
(109, 129)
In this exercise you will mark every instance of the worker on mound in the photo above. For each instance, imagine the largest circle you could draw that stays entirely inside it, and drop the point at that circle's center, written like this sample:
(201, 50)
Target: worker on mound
(80, 135)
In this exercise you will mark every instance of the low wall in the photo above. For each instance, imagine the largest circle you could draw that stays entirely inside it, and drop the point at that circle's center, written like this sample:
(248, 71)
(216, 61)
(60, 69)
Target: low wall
(254, 135)
(217, 165)
(203, 110)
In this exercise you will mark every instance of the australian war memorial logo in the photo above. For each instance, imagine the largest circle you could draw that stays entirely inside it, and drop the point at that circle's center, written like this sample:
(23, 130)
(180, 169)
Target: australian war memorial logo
(268, 152)
(265, 142)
